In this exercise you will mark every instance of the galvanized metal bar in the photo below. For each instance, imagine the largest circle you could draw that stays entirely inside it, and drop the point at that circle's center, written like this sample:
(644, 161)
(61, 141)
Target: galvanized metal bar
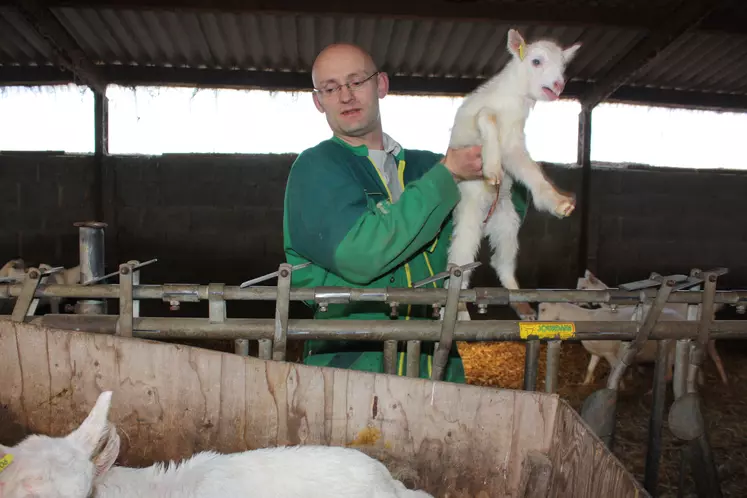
(124, 323)
(441, 354)
(265, 349)
(216, 303)
(374, 330)
(390, 357)
(552, 365)
(241, 347)
(91, 254)
(656, 419)
(135, 266)
(531, 364)
(643, 334)
(413, 358)
(282, 308)
(429, 296)
(23, 303)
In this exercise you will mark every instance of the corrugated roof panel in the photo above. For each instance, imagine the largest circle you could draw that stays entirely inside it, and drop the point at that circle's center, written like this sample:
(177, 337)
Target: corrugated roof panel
(19, 44)
(419, 47)
(290, 42)
(699, 61)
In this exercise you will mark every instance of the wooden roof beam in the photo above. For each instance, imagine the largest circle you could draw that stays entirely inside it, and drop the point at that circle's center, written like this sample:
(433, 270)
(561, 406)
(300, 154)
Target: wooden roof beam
(68, 52)
(648, 49)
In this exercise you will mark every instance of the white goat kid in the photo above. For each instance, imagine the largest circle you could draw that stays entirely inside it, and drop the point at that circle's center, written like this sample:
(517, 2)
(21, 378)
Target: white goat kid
(591, 282)
(81, 465)
(494, 116)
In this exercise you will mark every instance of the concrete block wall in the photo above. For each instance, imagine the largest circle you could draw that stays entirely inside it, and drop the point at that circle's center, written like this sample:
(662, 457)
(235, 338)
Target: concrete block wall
(219, 219)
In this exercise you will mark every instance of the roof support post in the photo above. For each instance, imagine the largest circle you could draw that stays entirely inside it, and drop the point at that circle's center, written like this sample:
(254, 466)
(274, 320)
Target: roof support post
(587, 258)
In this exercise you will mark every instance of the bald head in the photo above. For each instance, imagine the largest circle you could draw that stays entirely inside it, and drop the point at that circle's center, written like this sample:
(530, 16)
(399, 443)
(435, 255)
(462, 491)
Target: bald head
(348, 91)
(339, 61)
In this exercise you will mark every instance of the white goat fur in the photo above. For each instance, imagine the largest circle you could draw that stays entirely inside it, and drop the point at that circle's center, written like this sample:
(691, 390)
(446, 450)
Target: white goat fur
(494, 116)
(591, 282)
(81, 465)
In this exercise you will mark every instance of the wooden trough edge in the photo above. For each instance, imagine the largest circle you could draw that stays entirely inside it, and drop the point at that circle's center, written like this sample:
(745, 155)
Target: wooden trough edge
(170, 402)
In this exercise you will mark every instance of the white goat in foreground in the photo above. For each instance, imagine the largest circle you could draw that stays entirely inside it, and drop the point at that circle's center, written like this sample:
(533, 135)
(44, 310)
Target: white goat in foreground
(494, 116)
(80, 465)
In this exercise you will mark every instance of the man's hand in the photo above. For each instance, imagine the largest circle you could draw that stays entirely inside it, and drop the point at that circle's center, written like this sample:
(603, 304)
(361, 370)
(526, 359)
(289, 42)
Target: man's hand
(464, 163)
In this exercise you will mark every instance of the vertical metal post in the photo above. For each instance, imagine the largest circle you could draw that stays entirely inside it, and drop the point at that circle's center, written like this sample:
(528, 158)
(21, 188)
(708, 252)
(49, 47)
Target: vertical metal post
(413, 358)
(390, 357)
(552, 366)
(531, 364)
(282, 307)
(656, 420)
(91, 245)
(135, 281)
(443, 348)
(125, 320)
(585, 260)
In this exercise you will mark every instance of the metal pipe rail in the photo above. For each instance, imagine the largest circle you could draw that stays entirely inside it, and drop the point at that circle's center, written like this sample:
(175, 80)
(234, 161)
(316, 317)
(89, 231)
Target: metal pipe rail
(481, 296)
(385, 330)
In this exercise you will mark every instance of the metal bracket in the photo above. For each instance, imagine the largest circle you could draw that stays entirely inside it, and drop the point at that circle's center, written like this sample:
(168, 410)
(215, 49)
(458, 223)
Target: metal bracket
(216, 304)
(441, 355)
(445, 274)
(26, 297)
(270, 275)
(324, 296)
(125, 320)
(282, 307)
(654, 280)
(108, 275)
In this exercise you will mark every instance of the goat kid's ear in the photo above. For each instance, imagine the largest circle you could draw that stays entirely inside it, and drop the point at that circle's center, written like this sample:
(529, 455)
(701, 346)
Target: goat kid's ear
(90, 433)
(516, 44)
(105, 458)
(570, 52)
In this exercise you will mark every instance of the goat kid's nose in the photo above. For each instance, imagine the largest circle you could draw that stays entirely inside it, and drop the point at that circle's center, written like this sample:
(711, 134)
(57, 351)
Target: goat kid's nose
(558, 85)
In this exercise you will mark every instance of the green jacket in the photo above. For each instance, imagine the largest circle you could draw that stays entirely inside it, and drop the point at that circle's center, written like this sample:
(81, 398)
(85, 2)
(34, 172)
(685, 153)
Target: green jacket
(339, 216)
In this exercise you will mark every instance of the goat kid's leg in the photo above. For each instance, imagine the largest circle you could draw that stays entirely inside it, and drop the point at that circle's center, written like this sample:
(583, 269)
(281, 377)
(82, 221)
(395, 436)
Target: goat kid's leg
(544, 194)
(487, 124)
(503, 233)
(593, 362)
(713, 353)
(466, 237)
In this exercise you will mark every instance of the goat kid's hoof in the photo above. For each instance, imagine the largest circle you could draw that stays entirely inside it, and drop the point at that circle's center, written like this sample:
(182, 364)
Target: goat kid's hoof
(565, 207)
(494, 180)
(525, 311)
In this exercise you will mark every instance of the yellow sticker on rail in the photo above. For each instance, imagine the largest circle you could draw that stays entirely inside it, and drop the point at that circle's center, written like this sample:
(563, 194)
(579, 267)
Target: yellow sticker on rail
(547, 330)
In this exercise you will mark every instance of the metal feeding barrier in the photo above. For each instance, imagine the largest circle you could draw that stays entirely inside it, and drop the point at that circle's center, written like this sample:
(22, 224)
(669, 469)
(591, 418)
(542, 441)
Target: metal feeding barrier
(599, 409)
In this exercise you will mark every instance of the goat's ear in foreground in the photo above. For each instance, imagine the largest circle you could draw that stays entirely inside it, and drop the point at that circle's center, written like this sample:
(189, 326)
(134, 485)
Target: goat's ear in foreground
(104, 458)
(516, 44)
(570, 52)
(95, 426)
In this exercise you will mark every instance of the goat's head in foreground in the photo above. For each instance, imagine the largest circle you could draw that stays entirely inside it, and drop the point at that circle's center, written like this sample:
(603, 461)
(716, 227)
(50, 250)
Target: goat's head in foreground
(62, 467)
(543, 64)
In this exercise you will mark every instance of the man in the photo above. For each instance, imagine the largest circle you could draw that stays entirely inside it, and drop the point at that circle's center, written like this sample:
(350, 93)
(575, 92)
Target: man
(368, 213)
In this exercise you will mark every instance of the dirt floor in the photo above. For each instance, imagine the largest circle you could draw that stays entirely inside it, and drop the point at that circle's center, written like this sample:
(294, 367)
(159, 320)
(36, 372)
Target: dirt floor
(725, 406)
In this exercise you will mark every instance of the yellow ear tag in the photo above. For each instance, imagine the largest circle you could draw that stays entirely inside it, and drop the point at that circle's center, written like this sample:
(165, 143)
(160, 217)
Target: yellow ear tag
(521, 52)
(5, 461)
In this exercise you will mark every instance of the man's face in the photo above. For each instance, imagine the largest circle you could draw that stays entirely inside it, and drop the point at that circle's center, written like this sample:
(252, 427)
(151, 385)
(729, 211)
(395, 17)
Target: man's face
(350, 111)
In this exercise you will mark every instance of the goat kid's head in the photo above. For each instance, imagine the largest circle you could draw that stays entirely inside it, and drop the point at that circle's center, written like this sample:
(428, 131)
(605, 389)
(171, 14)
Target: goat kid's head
(64, 467)
(543, 64)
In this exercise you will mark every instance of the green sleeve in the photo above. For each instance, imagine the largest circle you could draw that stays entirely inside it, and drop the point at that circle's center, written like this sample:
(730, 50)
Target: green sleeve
(330, 222)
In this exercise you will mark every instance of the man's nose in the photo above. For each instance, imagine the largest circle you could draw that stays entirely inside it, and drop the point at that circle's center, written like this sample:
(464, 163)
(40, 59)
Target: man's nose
(346, 94)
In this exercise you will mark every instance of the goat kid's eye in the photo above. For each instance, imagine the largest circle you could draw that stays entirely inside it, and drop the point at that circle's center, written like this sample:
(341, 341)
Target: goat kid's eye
(536, 62)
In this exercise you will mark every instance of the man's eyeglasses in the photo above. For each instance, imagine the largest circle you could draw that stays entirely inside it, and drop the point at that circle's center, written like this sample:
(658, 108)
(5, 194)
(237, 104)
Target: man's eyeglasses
(352, 86)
